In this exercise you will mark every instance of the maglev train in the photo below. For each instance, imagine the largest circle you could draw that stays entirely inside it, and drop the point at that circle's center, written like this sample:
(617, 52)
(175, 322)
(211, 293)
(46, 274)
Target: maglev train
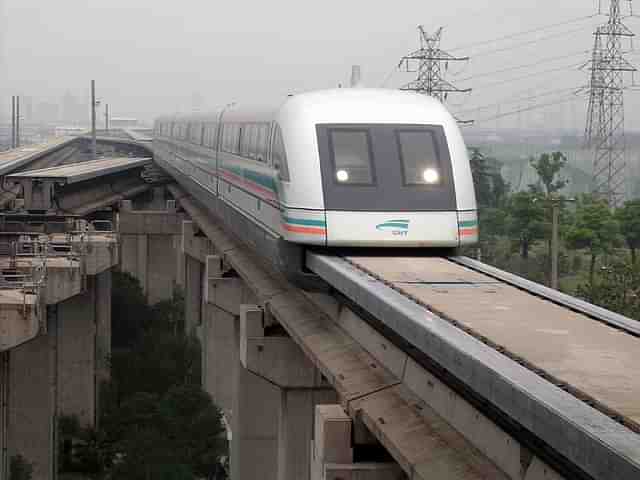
(352, 167)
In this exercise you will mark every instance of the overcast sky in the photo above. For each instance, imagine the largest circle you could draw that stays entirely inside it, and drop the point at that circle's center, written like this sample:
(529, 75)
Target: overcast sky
(150, 57)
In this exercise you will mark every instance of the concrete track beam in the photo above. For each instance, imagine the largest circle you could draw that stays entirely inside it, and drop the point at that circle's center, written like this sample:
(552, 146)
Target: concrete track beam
(422, 388)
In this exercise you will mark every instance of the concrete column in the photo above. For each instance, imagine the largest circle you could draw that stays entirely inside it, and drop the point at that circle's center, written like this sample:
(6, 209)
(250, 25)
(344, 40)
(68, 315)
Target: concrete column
(301, 387)
(4, 415)
(295, 429)
(177, 248)
(142, 261)
(254, 427)
(193, 294)
(32, 403)
(161, 268)
(103, 331)
(129, 254)
(220, 356)
(77, 355)
(148, 247)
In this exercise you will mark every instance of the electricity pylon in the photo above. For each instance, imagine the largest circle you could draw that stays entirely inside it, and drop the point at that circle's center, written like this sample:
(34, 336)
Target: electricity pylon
(605, 117)
(431, 63)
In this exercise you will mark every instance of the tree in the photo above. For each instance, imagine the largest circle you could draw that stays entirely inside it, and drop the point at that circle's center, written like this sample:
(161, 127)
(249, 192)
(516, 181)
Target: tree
(129, 310)
(481, 177)
(491, 188)
(547, 166)
(629, 219)
(618, 289)
(20, 468)
(594, 229)
(525, 221)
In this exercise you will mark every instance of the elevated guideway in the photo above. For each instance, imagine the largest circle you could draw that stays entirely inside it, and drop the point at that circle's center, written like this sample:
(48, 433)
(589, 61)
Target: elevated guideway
(80, 172)
(14, 159)
(81, 188)
(565, 377)
(554, 372)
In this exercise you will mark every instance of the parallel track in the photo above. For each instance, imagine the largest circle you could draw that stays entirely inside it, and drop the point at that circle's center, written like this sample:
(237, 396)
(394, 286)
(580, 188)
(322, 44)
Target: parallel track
(463, 273)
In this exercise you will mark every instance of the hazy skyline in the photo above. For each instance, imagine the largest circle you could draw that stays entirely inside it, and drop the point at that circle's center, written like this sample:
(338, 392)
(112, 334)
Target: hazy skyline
(150, 58)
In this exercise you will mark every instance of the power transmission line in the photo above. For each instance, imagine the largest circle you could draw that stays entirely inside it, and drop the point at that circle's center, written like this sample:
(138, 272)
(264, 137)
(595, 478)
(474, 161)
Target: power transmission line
(522, 67)
(528, 42)
(558, 101)
(604, 131)
(525, 32)
(534, 74)
(519, 99)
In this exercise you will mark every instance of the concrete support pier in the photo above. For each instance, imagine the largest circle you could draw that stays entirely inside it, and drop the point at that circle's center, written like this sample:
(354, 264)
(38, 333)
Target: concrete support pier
(280, 361)
(149, 248)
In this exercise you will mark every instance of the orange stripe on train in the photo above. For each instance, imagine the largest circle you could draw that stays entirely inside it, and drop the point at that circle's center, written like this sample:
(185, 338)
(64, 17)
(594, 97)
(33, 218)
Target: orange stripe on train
(305, 230)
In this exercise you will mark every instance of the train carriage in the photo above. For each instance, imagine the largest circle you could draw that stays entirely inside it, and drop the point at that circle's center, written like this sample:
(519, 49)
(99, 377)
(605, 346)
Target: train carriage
(337, 168)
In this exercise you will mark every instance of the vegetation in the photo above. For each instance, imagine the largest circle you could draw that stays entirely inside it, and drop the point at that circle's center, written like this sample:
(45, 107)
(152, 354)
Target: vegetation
(599, 247)
(155, 419)
(20, 468)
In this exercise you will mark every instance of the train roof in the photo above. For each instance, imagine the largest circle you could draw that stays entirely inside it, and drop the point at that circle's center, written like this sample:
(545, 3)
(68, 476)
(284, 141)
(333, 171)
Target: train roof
(369, 105)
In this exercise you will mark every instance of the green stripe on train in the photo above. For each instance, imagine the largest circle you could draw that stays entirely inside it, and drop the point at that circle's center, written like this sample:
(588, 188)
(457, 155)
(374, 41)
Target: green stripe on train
(305, 222)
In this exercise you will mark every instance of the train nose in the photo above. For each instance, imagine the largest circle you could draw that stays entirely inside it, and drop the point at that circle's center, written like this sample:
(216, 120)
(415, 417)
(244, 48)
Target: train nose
(402, 229)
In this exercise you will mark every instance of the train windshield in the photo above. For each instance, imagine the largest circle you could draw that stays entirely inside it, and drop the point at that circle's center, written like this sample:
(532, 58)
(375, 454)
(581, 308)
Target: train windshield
(386, 168)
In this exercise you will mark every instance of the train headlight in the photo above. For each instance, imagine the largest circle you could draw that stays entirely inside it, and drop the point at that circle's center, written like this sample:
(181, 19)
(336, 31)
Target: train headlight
(342, 176)
(431, 176)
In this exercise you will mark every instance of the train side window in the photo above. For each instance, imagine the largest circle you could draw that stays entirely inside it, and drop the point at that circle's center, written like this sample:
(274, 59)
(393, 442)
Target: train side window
(279, 156)
(224, 134)
(419, 157)
(245, 140)
(260, 142)
(210, 135)
(351, 155)
(229, 130)
(253, 146)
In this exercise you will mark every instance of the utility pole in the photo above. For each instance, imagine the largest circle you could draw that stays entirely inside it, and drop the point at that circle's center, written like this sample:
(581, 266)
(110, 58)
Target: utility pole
(555, 243)
(18, 121)
(94, 147)
(106, 118)
(556, 202)
(431, 63)
(13, 121)
(604, 131)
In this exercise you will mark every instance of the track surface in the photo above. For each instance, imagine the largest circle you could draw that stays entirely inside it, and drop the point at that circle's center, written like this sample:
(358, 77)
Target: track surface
(592, 360)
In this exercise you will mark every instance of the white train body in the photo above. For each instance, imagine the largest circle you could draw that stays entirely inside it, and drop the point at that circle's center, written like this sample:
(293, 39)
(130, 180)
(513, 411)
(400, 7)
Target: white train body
(344, 167)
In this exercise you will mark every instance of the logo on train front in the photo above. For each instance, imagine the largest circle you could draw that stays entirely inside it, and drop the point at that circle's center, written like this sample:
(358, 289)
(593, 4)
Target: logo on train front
(396, 227)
